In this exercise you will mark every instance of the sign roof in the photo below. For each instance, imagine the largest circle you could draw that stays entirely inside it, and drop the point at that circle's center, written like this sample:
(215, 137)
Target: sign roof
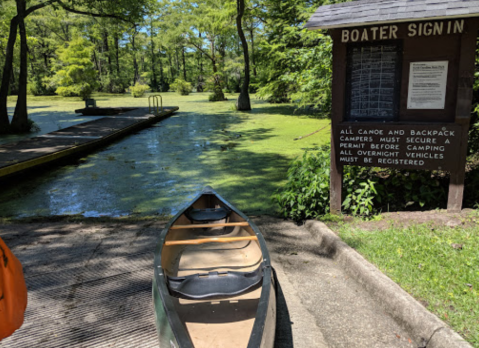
(369, 12)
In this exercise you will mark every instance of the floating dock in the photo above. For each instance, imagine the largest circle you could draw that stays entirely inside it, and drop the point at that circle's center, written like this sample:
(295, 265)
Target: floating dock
(69, 142)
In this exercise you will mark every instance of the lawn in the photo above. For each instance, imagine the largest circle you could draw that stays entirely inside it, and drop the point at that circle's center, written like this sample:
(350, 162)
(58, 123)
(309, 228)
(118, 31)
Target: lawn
(438, 265)
(244, 155)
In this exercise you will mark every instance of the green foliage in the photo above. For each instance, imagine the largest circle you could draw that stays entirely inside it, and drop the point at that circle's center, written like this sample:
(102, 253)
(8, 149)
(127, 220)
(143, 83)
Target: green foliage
(138, 90)
(75, 73)
(412, 189)
(214, 84)
(367, 191)
(216, 97)
(294, 63)
(471, 198)
(301, 75)
(473, 144)
(306, 193)
(361, 191)
(114, 84)
(40, 86)
(372, 190)
(181, 87)
(32, 126)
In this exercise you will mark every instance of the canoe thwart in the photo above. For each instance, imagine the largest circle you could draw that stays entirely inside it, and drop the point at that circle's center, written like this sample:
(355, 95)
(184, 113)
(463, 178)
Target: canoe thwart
(223, 224)
(215, 285)
(208, 214)
(209, 240)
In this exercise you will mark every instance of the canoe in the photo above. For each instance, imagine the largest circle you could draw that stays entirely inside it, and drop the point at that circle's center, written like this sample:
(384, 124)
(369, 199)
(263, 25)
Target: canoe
(213, 285)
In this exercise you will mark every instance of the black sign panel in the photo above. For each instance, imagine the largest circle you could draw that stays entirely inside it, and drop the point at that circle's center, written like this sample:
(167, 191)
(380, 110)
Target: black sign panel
(420, 146)
(373, 82)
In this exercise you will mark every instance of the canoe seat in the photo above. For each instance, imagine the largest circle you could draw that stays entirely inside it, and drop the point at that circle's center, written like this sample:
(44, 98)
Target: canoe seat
(215, 285)
(209, 214)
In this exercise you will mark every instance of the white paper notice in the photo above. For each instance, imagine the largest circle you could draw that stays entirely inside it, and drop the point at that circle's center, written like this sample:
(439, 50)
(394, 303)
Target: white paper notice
(427, 85)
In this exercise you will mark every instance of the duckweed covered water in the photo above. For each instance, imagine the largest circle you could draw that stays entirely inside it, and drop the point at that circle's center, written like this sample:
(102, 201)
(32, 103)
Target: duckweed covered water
(244, 156)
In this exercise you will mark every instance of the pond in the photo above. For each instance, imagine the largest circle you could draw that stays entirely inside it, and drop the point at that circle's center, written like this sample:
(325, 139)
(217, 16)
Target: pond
(242, 155)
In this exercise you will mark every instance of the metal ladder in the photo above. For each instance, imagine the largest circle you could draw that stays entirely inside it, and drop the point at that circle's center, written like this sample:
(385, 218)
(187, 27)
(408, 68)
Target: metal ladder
(153, 102)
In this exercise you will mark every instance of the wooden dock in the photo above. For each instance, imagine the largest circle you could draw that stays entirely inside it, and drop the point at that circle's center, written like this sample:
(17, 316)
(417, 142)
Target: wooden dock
(69, 142)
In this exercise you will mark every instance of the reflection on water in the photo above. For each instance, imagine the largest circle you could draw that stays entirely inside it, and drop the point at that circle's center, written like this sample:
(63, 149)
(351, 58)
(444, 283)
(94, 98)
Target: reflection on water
(244, 156)
(46, 121)
(151, 172)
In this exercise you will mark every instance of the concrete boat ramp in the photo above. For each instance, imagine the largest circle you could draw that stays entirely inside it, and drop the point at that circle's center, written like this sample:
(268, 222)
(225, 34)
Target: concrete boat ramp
(89, 285)
(79, 139)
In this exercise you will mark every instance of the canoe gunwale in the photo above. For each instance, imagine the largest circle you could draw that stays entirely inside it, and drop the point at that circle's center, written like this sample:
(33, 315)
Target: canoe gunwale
(181, 334)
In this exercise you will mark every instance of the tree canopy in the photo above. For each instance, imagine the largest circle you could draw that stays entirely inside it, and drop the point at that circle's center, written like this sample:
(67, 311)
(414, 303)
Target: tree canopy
(155, 42)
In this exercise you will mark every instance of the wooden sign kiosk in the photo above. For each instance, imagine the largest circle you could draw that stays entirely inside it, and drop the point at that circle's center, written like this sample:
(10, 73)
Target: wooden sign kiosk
(403, 73)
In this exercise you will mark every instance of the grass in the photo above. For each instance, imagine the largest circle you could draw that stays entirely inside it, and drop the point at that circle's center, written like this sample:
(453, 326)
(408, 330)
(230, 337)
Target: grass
(423, 261)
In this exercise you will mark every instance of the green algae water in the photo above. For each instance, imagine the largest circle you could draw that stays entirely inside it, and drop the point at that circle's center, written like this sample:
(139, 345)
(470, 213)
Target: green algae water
(242, 155)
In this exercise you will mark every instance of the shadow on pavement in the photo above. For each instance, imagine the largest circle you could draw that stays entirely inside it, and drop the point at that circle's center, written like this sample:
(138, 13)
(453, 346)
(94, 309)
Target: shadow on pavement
(284, 332)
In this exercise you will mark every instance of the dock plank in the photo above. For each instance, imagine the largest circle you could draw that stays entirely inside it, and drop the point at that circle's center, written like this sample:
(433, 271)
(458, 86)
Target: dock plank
(31, 153)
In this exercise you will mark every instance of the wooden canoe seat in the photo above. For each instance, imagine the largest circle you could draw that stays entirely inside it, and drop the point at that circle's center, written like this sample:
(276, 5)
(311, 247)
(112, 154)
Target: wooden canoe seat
(215, 285)
(207, 215)
(209, 240)
(222, 224)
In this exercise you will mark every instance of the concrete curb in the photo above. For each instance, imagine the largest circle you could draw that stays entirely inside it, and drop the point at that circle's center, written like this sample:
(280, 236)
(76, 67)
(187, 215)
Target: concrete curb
(428, 330)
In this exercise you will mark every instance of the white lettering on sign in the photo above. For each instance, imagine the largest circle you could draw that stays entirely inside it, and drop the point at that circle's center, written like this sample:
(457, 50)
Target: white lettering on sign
(386, 32)
(389, 32)
(415, 146)
(436, 28)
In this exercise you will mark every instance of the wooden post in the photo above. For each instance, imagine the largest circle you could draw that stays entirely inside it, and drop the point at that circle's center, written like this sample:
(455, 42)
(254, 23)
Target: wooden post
(338, 95)
(463, 113)
(336, 181)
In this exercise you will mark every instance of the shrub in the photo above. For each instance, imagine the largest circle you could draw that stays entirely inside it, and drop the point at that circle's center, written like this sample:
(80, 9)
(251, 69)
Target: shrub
(214, 84)
(76, 75)
(216, 97)
(33, 127)
(471, 198)
(361, 190)
(367, 191)
(39, 86)
(164, 86)
(306, 194)
(113, 84)
(138, 90)
(181, 87)
(411, 189)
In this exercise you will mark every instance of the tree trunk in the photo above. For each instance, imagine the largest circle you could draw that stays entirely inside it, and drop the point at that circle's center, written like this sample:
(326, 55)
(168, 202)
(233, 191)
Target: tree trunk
(117, 52)
(199, 87)
(45, 59)
(106, 49)
(217, 89)
(171, 67)
(177, 63)
(97, 63)
(243, 102)
(20, 116)
(136, 72)
(13, 83)
(162, 76)
(251, 32)
(154, 81)
(7, 70)
(184, 62)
